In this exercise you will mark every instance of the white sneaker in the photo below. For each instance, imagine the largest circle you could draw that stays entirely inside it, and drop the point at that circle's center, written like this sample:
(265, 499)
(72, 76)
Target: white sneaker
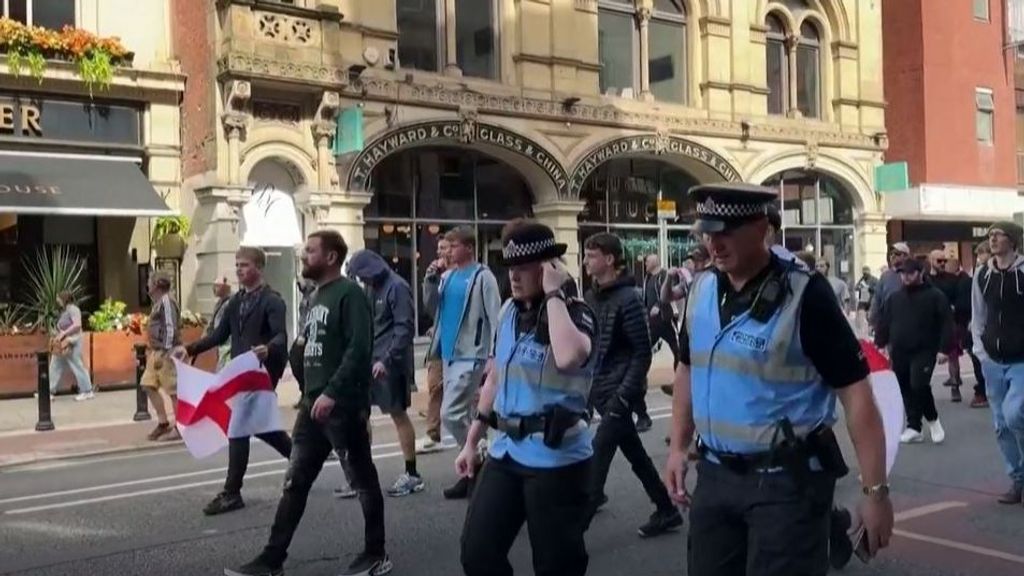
(937, 433)
(911, 436)
(85, 396)
(426, 445)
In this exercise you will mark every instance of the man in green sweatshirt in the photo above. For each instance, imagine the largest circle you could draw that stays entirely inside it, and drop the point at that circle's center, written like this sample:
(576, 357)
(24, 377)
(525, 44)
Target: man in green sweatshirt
(334, 411)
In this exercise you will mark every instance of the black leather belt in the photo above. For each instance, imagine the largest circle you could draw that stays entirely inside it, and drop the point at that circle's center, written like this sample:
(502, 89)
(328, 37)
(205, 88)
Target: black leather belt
(740, 463)
(519, 427)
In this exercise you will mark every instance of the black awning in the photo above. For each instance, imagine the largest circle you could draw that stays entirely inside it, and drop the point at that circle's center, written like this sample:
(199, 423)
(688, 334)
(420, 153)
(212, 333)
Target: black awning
(76, 186)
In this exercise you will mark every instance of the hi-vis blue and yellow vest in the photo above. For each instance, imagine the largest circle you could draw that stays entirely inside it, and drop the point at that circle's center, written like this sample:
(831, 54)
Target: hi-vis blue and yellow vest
(746, 376)
(528, 382)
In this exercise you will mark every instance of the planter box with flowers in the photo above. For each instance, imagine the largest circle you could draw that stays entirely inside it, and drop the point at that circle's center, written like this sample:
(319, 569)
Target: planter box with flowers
(28, 48)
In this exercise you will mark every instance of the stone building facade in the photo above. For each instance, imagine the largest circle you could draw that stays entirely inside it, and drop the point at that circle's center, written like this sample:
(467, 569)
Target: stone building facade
(393, 120)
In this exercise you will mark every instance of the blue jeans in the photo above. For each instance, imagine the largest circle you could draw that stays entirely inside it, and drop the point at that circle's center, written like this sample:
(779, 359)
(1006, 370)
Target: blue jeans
(1004, 384)
(72, 360)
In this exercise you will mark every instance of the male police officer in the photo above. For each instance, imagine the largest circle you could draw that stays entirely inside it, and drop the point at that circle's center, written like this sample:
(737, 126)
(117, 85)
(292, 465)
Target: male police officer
(764, 354)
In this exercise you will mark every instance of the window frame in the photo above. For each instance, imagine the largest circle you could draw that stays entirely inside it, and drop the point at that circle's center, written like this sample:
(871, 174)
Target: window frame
(440, 43)
(983, 108)
(628, 9)
(679, 20)
(982, 17)
(815, 46)
(5, 9)
(777, 38)
(495, 36)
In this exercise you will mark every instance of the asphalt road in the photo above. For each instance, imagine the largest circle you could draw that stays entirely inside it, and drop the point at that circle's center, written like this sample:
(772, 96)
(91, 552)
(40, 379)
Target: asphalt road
(140, 514)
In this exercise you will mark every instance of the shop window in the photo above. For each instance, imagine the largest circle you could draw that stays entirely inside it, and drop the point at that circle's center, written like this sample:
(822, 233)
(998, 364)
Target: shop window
(666, 62)
(418, 34)
(475, 38)
(617, 42)
(777, 67)
(985, 108)
(808, 71)
(52, 14)
(980, 9)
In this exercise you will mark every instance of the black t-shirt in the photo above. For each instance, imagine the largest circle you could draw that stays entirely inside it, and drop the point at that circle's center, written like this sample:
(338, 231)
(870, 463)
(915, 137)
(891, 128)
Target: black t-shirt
(825, 333)
(580, 314)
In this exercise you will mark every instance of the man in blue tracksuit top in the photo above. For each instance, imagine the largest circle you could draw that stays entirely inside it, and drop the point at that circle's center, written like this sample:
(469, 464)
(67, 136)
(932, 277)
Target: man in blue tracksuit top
(536, 397)
(764, 352)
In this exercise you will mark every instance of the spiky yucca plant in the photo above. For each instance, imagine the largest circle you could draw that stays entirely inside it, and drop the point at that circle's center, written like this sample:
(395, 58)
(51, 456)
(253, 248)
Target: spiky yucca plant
(49, 273)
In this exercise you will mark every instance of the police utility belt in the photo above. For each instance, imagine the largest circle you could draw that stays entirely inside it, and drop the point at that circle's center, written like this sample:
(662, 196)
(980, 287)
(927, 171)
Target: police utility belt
(788, 454)
(554, 422)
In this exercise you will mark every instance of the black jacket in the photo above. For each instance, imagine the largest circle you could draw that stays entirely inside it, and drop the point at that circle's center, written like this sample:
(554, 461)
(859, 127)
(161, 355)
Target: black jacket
(915, 319)
(263, 325)
(998, 304)
(623, 348)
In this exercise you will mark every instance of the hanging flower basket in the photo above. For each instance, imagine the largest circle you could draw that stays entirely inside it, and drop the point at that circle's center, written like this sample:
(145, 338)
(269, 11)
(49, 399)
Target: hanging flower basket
(29, 48)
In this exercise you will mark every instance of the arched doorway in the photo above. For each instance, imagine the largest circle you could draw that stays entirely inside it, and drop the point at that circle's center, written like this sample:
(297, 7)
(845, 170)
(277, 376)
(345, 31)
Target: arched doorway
(817, 215)
(271, 221)
(421, 193)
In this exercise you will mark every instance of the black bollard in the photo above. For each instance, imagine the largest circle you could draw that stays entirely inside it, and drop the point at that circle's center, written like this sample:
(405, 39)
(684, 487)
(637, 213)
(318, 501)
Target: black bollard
(45, 422)
(141, 400)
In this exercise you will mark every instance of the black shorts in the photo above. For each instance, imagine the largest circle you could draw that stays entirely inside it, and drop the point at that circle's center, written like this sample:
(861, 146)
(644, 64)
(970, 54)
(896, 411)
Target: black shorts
(392, 394)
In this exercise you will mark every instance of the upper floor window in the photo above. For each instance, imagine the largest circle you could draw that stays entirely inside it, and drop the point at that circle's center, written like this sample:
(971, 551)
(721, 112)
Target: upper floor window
(419, 36)
(53, 14)
(981, 10)
(985, 108)
(793, 68)
(666, 61)
(639, 55)
(475, 38)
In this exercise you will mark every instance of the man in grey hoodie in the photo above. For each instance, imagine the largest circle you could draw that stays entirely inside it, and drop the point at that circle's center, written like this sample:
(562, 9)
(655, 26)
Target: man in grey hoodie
(393, 372)
(465, 301)
(890, 281)
(997, 328)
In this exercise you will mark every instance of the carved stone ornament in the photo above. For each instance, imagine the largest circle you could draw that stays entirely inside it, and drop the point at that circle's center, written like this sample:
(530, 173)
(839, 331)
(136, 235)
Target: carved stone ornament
(235, 123)
(236, 95)
(661, 142)
(329, 104)
(643, 14)
(467, 129)
(812, 154)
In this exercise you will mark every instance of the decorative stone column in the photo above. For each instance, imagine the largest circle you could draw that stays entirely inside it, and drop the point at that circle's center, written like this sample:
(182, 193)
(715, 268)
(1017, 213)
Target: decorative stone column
(217, 221)
(324, 129)
(872, 247)
(236, 121)
(451, 67)
(562, 217)
(344, 213)
(643, 16)
(792, 42)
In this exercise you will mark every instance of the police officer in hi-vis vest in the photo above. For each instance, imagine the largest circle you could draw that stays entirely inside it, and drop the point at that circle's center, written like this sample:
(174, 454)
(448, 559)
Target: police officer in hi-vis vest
(535, 396)
(765, 351)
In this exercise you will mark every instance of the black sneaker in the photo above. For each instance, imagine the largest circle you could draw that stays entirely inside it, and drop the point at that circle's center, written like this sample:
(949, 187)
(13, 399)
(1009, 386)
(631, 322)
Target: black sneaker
(369, 565)
(840, 548)
(224, 503)
(1015, 495)
(661, 522)
(458, 491)
(258, 567)
(954, 395)
(643, 423)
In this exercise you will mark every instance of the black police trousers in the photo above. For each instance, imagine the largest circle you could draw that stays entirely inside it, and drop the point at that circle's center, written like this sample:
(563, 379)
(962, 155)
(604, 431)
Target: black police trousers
(345, 432)
(758, 524)
(552, 502)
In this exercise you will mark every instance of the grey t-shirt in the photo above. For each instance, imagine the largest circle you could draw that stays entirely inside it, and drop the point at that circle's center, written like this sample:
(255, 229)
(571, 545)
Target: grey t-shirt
(70, 316)
(841, 290)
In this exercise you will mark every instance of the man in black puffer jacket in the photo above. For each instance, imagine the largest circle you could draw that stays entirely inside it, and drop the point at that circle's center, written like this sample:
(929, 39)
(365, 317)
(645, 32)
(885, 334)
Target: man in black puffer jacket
(623, 352)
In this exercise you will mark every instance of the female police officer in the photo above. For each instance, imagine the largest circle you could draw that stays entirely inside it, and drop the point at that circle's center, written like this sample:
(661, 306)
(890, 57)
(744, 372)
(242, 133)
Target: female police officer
(535, 395)
(764, 353)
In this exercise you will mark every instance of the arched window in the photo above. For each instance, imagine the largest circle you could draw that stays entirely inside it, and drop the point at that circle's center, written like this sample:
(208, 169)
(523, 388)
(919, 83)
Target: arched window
(777, 66)
(666, 59)
(808, 71)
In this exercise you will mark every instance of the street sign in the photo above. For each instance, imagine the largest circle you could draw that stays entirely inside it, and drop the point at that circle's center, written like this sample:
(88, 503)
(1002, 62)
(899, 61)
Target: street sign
(666, 209)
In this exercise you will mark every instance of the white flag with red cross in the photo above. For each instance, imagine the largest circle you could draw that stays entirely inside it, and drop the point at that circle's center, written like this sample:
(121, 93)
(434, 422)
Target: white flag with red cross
(237, 402)
(888, 398)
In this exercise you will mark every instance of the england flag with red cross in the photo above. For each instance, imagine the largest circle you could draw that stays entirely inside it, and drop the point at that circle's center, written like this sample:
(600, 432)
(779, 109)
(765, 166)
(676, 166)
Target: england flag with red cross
(237, 402)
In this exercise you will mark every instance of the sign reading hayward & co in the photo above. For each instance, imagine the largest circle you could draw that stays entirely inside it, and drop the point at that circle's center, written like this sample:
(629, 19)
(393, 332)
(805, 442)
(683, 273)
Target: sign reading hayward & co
(654, 143)
(465, 131)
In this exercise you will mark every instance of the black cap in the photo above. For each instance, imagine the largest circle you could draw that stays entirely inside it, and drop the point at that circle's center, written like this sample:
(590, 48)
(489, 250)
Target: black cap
(531, 242)
(724, 206)
(912, 265)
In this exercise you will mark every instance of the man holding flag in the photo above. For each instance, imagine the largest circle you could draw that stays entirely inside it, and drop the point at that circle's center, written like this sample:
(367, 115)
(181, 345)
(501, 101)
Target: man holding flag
(335, 410)
(254, 320)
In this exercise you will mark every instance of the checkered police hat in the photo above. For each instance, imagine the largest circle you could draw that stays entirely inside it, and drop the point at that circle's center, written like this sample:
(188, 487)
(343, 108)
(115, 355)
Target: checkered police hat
(724, 206)
(531, 242)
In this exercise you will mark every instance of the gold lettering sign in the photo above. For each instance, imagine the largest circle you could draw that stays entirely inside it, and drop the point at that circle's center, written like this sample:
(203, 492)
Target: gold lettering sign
(28, 116)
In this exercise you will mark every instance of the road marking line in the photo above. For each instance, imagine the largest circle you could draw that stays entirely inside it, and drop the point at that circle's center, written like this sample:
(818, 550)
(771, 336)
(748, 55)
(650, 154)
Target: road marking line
(927, 510)
(83, 502)
(152, 480)
(961, 546)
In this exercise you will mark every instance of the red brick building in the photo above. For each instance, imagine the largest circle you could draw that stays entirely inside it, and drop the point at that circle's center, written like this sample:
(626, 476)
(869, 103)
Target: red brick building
(951, 117)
